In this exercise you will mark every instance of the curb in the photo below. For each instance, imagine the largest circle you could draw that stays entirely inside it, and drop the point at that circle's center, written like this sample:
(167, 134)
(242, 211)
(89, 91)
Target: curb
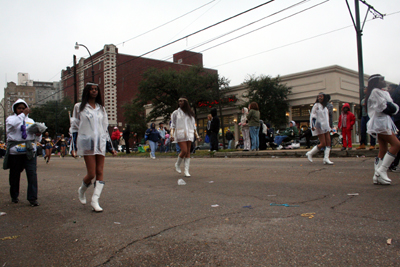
(297, 153)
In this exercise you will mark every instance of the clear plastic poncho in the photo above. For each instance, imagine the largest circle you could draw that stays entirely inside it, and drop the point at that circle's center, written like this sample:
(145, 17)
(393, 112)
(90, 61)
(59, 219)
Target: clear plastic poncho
(184, 126)
(91, 124)
(379, 122)
(321, 116)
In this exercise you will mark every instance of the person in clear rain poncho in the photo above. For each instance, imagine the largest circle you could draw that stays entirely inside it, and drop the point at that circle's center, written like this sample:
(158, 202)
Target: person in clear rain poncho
(89, 124)
(183, 132)
(319, 121)
(381, 108)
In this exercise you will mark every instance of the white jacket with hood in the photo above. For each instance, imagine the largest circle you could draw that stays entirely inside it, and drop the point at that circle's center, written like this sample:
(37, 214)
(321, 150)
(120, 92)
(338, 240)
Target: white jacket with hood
(14, 133)
(91, 124)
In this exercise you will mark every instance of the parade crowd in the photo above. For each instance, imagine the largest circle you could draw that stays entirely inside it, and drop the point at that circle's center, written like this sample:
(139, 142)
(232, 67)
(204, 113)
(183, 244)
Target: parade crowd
(90, 138)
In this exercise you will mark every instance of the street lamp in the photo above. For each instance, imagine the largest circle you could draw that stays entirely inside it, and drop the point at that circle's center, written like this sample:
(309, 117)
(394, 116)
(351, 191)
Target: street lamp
(77, 48)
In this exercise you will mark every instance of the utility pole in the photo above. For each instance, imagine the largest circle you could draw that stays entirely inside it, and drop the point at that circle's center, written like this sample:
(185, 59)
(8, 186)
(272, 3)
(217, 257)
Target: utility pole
(75, 84)
(359, 29)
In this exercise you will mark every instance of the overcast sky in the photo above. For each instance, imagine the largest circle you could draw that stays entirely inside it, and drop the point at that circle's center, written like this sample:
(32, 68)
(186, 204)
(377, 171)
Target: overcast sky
(38, 36)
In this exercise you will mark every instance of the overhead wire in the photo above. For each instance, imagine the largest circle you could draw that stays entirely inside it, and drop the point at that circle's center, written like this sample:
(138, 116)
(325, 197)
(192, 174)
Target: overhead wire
(165, 23)
(187, 26)
(265, 26)
(296, 42)
(262, 51)
(179, 39)
(242, 27)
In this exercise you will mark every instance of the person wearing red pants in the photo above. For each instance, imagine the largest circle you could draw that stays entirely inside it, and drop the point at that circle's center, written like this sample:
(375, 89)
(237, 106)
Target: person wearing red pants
(346, 122)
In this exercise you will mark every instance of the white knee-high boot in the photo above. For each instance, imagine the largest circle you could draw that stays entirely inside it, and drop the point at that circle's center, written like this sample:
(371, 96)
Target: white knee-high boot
(98, 187)
(326, 156)
(81, 192)
(312, 152)
(377, 164)
(381, 172)
(187, 165)
(178, 164)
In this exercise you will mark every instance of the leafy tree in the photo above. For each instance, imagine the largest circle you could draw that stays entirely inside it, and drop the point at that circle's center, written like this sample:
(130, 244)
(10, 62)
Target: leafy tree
(271, 97)
(162, 89)
(135, 116)
(55, 115)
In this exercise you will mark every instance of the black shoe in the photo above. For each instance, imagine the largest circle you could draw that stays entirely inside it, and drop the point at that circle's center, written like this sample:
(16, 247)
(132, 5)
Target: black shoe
(343, 148)
(15, 200)
(350, 148)
(34, 203)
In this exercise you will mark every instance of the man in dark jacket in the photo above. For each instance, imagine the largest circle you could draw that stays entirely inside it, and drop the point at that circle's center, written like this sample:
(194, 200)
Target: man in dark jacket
(126, 134)
(394, 92)
(214, 129)
(229, 136)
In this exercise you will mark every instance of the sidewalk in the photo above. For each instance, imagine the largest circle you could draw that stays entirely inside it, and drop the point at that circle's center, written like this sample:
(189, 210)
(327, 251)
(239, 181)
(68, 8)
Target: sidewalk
(297, 153)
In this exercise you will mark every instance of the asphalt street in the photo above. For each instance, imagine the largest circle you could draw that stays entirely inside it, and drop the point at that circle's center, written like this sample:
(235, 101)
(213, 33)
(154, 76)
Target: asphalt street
(223, 216)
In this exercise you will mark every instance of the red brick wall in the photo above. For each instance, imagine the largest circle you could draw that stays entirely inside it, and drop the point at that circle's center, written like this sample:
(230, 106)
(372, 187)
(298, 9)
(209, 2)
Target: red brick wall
(129, 74)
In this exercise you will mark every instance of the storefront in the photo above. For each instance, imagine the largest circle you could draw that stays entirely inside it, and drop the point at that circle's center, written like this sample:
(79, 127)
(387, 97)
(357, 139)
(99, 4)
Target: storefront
(340, 83)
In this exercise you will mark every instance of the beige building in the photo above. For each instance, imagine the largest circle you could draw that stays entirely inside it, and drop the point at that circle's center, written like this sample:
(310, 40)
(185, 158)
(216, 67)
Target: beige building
(341, 83)
(13, 92)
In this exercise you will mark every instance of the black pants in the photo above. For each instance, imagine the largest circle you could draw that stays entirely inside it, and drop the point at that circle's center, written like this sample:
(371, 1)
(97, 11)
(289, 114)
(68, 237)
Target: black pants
(17, 164)
(397, 159)
(214, 141)
(307, 134)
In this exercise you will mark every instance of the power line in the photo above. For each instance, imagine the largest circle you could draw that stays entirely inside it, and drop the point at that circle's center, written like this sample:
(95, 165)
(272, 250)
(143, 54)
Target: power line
(299, 41)
(225, 34)
(196, 19)
(247, 56)
(201, 30)
(166, 23)
(237, 37)
(214, 25)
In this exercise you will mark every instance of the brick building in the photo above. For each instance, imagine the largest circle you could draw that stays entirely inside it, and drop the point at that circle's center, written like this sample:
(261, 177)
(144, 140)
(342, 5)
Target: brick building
(119, 75)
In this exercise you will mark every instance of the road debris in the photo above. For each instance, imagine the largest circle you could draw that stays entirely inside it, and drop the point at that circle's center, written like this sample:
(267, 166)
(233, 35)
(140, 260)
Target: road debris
(214, 206)
(249, 207)
(2, 213)
(9, 237)
(353, 194)
(181, 182)
(310, 215)
(389, 241)
(284, 205)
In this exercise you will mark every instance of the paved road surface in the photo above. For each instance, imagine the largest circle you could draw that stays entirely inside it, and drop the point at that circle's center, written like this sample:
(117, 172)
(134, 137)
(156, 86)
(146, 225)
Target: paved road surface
(149, 220)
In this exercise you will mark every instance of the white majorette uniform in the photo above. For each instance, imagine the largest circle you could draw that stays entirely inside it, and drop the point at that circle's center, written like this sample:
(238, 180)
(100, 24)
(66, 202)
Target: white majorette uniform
(184, 125)
(91, 124)
(319, 119)
(379, 122)
(183, 129)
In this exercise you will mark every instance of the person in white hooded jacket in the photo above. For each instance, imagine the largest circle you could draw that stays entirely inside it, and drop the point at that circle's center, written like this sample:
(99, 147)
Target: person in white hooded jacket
(21, 152)
(381, 108)
(183, 132)
(89, 124)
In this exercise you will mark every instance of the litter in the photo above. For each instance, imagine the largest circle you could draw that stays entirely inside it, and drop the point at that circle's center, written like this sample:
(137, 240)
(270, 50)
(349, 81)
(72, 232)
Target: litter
(2, 213)
(271, 195)
(389, 241)
(181, 182)
(214, 206)
(210, 182)
(310, 215)
(249, 207)
(9, 237)
(353, 194)
(285, 205)
(117, 223)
